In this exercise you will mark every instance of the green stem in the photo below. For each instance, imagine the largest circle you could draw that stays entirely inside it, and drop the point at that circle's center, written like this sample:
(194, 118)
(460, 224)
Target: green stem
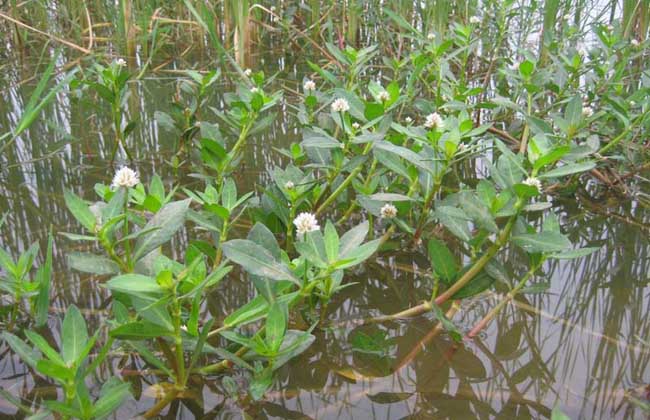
(243, 135)
(621, 136)
(178, 345)
(223, 235)
(482, 262)
(511, 295)
(345, 183)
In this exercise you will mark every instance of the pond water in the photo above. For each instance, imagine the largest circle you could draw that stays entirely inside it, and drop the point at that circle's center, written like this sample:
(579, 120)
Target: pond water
(579, 345)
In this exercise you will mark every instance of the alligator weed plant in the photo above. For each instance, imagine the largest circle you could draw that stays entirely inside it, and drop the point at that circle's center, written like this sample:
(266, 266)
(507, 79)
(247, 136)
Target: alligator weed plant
(417, 150)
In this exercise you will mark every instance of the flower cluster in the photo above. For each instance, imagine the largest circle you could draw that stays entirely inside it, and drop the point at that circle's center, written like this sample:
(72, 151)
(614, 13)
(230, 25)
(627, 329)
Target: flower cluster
(305, 222)
(534, 182)
(433, 120)
(309, 85)
(388, 211)
(340, 105)
(125, 177)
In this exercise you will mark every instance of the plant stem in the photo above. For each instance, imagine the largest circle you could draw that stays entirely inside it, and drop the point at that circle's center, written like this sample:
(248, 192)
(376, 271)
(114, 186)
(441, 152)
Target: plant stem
(178, 345)
(490, 316)
(345, 183)
(243, 135)
(223, 235)
(466, 278)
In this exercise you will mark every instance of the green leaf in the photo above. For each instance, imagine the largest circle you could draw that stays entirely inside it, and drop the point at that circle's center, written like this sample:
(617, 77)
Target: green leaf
(262, 236)
(54, 370)
(572, 168)
(542, 242)
(526, 68)
(111, 400)
(331, 239)
(133, 284)
(91, 263)
(115, 206)
(455, 220)
(140, 329)
(442, 260)
(551, 157)
(257, 260)
(169, 219)
(229, 194)
(80, 210)
(557, 414)
(276, 325)
(44, 278)
(359, 254)
(44, 346)
(27, 354)
(74, 335)
(352, 239)
(574, 253)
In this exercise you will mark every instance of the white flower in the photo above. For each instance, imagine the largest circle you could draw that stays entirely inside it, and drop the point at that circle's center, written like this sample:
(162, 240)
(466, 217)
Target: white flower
(255, 89)
(514, 66)
(356, 125)
(125, 177)
(309, 85)
(635, 42)
(433, 120)
(120, 62)
(534, 182)
(408, 120)
(388, 211)
(587, 111)
(305, 222)
(272, 8)
(431, 36)
(383, 96)
(632, 103)
(248, 72)
(289, 185)
(340, 105)
(474, 20)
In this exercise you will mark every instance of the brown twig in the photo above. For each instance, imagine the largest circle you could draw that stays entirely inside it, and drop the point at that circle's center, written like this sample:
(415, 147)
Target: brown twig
(38, 31)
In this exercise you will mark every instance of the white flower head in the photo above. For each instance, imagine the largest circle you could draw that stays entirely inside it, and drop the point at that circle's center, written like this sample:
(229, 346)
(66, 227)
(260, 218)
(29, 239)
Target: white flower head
(356, 125)
(383, 96)
(309, 85)
(534, 182)
(248, 72)
(125, 177)
(255, 89)
(474, 20)
(514, 66)
(388, 211)
(635, 42)
(340, 105)
(408, 120)
(587, 111)
(632, 103)
(120, 62)
(433, 120)
(289, 185)
(431, 36)
(272, 8)
(305, 222)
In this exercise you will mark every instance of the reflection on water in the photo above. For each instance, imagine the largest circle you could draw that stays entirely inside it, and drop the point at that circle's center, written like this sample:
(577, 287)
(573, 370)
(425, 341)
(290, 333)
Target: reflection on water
(578, 345)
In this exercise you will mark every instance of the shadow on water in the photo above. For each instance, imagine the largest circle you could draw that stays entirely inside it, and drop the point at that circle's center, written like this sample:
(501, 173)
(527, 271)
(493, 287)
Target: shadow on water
(580, 344)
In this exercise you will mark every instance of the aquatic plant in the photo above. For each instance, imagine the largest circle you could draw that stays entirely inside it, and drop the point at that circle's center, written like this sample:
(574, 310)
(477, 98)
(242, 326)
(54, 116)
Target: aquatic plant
(429, 141)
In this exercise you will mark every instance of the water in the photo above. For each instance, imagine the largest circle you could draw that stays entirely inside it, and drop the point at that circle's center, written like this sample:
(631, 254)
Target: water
(579, 345)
